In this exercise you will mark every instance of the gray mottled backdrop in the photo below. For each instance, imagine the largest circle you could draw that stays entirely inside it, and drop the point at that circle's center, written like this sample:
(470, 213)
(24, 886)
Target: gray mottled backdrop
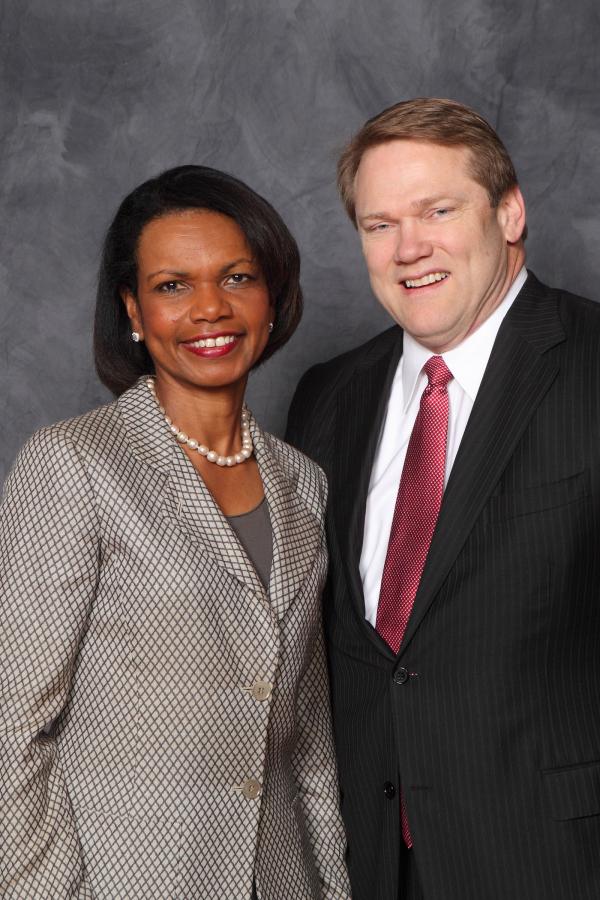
(98, 95)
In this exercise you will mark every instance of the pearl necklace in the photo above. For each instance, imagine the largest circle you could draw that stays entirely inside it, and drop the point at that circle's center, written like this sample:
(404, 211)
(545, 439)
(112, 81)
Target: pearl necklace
(210, 455)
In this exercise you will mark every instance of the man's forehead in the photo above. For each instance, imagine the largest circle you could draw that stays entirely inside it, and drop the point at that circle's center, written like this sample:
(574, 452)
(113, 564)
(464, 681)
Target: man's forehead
(417, 172)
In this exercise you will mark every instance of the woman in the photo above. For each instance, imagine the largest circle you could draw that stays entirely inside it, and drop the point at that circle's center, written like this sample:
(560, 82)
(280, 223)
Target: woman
(166, 730)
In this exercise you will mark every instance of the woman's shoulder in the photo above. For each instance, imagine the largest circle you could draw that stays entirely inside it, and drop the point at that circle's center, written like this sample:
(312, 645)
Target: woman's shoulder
(88, 427)
(94, 448)
(81, 436)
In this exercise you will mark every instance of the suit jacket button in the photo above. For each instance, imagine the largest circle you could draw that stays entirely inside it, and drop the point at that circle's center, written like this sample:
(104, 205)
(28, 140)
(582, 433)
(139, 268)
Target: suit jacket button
(389, 791)
(400, 676)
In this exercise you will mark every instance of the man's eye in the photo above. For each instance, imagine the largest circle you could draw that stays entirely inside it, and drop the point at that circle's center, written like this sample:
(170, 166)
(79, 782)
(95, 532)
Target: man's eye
(441, 212)
(379, 226)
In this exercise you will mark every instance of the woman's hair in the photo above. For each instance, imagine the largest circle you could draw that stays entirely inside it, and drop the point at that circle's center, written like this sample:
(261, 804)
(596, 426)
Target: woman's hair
(120, 361)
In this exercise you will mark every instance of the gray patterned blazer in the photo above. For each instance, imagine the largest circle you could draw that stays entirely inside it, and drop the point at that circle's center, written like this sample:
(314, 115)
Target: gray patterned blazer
(138, 758)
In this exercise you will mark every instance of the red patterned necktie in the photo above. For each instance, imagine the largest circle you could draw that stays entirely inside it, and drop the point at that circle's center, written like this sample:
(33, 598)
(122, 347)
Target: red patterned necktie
(415, 514)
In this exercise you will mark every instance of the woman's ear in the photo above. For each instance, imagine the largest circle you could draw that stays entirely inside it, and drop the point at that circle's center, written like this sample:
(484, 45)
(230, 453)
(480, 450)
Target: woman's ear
(133, 312)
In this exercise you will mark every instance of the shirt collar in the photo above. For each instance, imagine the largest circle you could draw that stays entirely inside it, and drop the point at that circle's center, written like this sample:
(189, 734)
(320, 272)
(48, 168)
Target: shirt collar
(468, 361)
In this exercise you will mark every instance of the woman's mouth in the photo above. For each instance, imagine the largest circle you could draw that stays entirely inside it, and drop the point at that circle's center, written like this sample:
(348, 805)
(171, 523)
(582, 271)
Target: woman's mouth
(213, 346)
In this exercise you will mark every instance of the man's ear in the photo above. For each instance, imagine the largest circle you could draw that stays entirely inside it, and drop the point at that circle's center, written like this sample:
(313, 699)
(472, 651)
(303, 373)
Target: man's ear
(511, 215)
(133, 311)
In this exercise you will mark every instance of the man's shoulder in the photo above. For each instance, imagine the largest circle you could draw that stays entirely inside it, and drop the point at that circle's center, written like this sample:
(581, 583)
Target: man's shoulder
(313, 410)
(573, 309)
(578, 311)
(332, 374)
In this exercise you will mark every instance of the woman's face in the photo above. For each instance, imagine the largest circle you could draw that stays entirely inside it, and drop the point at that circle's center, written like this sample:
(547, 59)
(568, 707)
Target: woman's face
(202, 305)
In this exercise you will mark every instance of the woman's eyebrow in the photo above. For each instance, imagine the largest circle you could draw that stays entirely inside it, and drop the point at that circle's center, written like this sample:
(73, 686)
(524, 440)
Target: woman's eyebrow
(172, 272)
(236, 262)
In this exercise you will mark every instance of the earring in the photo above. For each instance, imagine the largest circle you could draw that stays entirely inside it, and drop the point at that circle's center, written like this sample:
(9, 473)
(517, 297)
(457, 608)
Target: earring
(270, 327)
(135, 337)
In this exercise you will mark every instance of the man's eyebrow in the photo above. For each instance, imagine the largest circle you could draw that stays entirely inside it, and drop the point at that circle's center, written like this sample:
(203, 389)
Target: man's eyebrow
(369, 217)
(435, 199)
(376, 215)
(418, 205)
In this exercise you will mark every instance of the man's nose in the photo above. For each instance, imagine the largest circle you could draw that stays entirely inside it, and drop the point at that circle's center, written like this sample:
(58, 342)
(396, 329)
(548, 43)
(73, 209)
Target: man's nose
(412, 243)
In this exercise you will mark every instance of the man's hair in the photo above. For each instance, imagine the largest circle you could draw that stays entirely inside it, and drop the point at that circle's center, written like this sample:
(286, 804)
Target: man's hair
(436, 121)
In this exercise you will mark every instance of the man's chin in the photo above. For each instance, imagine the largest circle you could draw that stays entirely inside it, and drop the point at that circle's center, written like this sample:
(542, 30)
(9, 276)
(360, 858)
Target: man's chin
(430, 335)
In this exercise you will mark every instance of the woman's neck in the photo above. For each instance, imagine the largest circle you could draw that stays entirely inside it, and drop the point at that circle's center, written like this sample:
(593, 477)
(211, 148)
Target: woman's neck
(210, 416)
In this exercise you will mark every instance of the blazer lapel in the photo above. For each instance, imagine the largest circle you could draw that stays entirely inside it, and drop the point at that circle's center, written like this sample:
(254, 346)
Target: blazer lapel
(361, 408)
(296, 530)
(189, 504)
(186, 501)
(518, 375)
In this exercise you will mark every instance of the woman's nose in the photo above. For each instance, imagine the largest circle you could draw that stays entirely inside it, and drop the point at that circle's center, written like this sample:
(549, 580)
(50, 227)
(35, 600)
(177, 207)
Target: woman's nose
(209, 302)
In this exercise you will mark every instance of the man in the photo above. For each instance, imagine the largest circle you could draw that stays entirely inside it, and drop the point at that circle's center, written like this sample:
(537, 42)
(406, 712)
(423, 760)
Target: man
(462, 448)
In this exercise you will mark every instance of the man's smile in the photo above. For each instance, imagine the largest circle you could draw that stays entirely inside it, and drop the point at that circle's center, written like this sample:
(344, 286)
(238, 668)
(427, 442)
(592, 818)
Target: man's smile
(425, 280)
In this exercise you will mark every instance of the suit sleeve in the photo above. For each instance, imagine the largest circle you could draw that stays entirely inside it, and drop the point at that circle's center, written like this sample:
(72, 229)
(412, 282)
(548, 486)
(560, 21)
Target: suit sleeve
(49, 552)
(315, 771)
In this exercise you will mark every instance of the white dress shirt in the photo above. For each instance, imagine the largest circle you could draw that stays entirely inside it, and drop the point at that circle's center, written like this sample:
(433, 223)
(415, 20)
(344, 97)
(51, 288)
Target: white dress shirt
(467, 362)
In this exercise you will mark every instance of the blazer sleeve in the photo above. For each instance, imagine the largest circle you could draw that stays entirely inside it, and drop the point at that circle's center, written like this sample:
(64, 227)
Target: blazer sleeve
(49, 559)
(315, 771)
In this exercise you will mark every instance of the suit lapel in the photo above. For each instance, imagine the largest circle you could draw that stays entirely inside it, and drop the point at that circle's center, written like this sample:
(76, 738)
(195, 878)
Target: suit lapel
(518, 375)
(361, 409)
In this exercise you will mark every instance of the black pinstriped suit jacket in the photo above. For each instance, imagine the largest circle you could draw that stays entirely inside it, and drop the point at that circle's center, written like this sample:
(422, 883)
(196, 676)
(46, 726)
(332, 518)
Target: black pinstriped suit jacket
(490, 713)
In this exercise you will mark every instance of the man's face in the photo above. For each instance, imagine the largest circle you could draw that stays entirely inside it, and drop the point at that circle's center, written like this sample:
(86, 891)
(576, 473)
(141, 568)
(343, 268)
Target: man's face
(440, 258)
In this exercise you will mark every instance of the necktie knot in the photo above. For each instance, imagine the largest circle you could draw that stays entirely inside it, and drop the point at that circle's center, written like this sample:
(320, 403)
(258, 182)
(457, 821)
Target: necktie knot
(437, 372)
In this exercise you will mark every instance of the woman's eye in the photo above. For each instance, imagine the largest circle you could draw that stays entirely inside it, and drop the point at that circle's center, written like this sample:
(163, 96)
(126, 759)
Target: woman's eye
(169, 287)
(238, 278)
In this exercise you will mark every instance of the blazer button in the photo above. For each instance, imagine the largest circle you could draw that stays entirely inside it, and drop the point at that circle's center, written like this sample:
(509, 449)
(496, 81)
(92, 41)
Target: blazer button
(261, 690)
(389, 791)
(250, 788)
(400, 676)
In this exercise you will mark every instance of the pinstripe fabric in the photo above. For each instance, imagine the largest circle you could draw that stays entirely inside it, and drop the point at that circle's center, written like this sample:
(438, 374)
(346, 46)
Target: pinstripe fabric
(132, 622)
(489, 716)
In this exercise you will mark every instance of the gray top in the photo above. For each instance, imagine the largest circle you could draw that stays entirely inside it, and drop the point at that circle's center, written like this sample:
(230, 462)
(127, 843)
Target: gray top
(256, 537)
